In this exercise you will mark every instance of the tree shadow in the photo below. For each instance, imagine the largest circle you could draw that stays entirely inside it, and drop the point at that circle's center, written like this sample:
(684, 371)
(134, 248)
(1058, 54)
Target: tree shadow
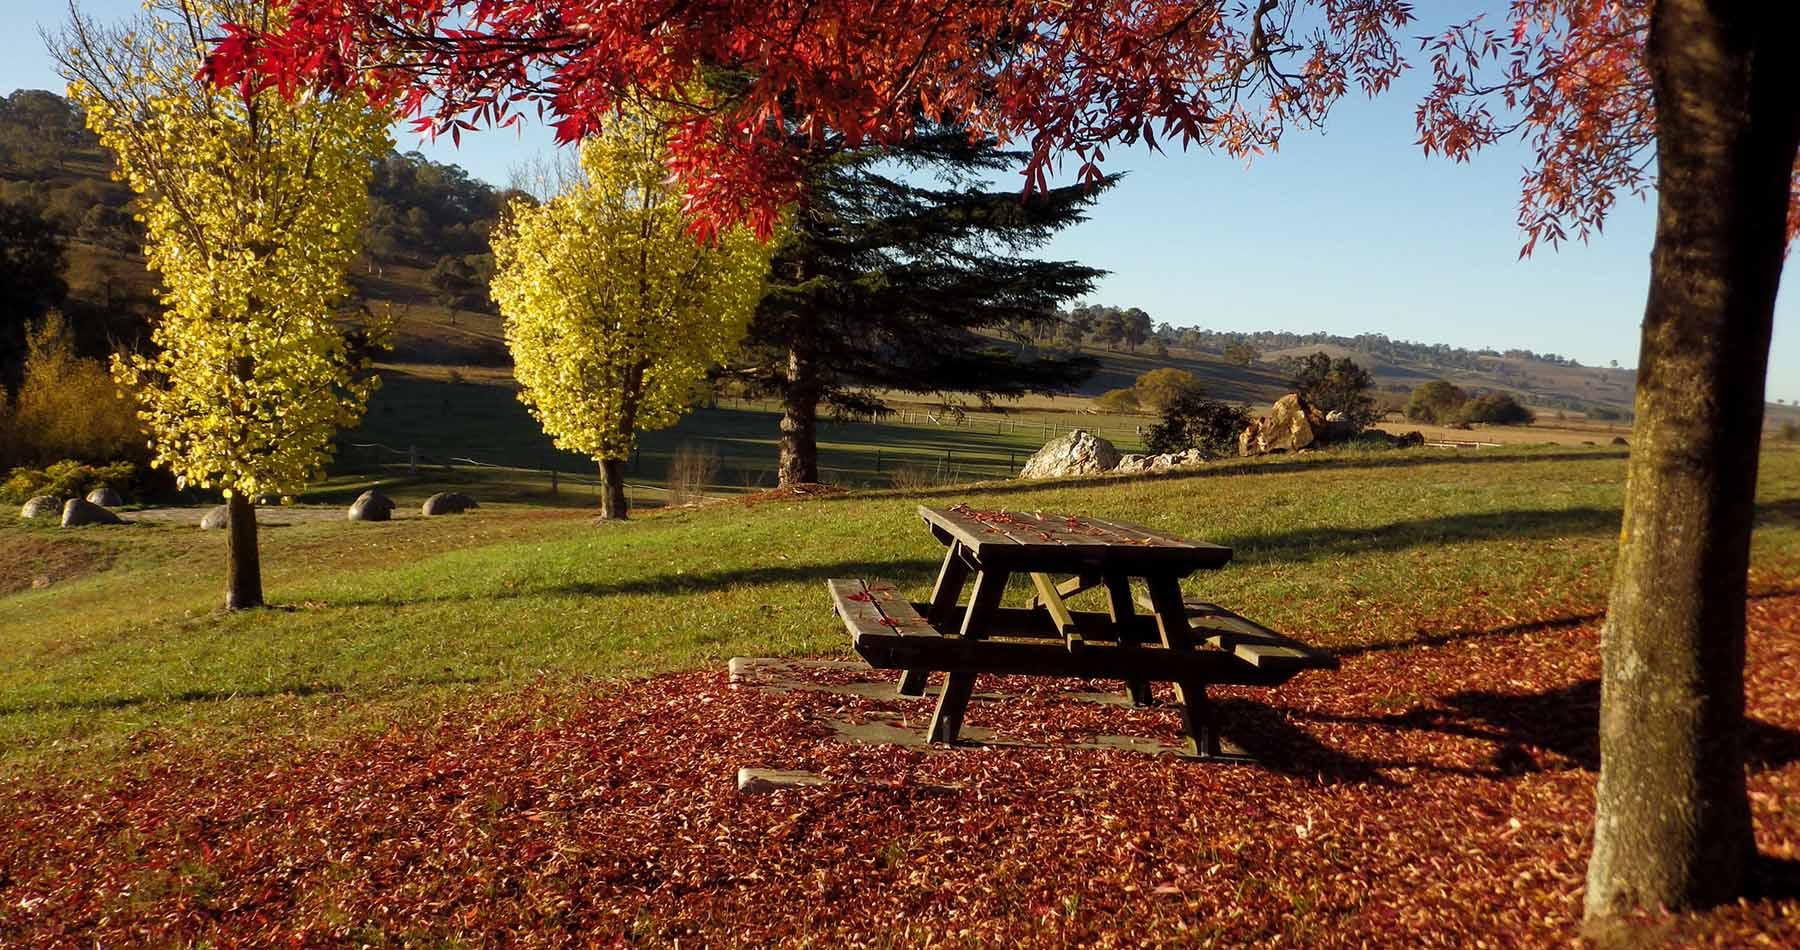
(903, 571)
(1397, 458)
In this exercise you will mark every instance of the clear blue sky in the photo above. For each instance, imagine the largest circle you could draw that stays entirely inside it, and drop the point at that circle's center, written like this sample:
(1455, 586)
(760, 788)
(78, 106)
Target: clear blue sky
(1348, 231)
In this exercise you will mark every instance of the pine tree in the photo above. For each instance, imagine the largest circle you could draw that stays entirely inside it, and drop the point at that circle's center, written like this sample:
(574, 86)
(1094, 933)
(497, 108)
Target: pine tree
(883, 283)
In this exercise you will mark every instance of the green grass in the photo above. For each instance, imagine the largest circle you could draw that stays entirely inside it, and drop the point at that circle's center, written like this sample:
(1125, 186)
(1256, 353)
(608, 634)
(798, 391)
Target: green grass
(388, 620)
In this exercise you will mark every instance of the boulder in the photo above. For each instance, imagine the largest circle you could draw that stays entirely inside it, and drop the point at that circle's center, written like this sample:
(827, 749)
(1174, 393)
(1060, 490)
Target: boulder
(43, 506)
(78, 512)
(373, 506)
(105, 496)
(1411, 440)
(1079, 453)
(447, 503)
(216, 519)
(1620, 440)
(1289, 427)
(1154, 464)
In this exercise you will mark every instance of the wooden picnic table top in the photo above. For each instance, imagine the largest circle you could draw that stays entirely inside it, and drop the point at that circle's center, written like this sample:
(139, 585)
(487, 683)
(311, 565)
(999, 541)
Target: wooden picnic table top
(1023, 538)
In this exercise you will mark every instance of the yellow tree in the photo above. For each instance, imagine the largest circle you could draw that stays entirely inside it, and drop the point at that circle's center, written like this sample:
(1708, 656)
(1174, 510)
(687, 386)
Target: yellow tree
(252, 205)
(613, 312)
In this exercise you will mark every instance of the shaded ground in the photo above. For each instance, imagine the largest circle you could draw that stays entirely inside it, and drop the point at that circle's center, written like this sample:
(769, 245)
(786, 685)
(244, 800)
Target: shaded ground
(1430, 793)
(37, 562)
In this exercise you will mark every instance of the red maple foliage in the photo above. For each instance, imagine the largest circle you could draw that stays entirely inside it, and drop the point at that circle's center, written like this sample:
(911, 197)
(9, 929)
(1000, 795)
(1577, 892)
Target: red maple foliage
(1066, 77)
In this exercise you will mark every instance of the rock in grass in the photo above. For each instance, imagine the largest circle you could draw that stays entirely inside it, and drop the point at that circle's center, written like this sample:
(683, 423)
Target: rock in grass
(105, 497)
(43, 506)
(1079, 453)
(447, 503)
(372, 506)
(78, 512)
(216, 519)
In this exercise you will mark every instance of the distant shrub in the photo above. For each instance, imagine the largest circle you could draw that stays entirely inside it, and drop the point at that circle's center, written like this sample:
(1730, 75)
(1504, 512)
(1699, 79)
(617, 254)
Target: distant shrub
(1790, 431)
(1435, 402)
(1499, 409)
(67, 407)
(65, 479)
(1117, 400)
(1195, 422)
(1160, 388)
(913, 477)
(690, 471)
(1604, 414)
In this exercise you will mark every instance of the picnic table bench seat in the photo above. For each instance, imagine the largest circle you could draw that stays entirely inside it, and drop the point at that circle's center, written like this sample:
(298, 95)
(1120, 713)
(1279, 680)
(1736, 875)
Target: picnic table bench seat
(892, 633)
(1250, 641)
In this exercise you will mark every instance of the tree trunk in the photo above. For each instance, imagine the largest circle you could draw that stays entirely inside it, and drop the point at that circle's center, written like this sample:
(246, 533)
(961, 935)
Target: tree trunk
(613, 505)
(799, 459)
(1672, 822)
(243, 567)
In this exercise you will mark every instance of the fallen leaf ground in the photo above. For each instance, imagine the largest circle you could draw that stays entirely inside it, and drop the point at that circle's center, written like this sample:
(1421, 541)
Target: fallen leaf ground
(1434, 793)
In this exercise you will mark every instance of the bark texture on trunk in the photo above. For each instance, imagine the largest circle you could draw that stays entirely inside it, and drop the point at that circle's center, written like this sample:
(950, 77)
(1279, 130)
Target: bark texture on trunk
(799, 459)
(613, 505)
(243, 566)
(1672, 823)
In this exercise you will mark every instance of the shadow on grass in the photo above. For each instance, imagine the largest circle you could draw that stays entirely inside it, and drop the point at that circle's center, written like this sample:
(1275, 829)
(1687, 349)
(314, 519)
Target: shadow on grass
(904, 571)
(1397, 458)
(298, 691)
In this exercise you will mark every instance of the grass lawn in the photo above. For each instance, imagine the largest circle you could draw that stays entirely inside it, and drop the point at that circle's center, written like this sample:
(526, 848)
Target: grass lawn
(418, 640)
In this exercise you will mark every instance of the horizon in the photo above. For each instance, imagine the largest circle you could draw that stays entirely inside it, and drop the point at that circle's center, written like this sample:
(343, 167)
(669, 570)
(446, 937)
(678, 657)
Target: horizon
(1339, 232)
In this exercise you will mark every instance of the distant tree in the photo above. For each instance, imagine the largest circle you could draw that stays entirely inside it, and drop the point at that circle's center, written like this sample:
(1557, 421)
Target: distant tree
(1336, 386)
(1109, 327)
(66, 406)
(1436, 402)
(1193, 421)
(457, 284)
(613, 312)
(885, 282)
(1243, 354)
(1118, 400)
(1135, 328)
(1497, 409)
(1159, 388)
(252, 206)
(31, 280)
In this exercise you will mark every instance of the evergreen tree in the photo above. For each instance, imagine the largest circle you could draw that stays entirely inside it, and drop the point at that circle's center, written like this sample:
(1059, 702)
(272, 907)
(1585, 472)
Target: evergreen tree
(883, 282)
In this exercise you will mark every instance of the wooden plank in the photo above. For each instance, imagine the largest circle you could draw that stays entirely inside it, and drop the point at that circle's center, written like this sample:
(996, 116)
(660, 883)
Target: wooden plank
(953, 702)
(1119, 611)
(1255, 643)
(853, 605)
(1047, 543)
(953, 575)
(1170, 613)
(1049, 658)
(946, 720)
(1052, 603)
(1078, 584)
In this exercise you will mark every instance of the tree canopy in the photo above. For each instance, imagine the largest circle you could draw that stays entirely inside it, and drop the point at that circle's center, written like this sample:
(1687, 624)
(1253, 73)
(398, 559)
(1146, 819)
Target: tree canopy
(613, 313)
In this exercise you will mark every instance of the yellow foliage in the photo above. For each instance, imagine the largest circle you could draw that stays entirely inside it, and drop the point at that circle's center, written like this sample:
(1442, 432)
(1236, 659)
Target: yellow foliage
(252, 210)
(613, 311)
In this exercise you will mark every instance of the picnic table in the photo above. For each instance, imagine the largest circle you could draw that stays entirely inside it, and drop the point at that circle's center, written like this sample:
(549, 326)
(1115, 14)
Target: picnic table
(1190, 643)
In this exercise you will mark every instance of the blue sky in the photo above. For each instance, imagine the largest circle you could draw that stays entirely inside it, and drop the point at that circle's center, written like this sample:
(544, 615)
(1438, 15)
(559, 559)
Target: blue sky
(1347, 231)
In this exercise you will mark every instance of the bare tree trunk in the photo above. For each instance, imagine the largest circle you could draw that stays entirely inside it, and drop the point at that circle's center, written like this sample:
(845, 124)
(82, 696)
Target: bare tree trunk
(799, 458)
(613, 505)
(243, 566)
(1672, 824)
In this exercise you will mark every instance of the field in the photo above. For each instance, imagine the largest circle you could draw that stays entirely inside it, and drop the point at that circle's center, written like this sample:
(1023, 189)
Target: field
(480, 717)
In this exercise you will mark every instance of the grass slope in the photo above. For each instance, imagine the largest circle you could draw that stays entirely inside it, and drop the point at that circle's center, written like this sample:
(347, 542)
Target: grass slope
(376, 620)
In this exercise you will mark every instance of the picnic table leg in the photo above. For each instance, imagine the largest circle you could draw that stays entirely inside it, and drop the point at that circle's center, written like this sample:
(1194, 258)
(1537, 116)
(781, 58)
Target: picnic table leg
(1118, 606)
(1196, 710)
(950, 580)
(946, 721)
(1197, 719)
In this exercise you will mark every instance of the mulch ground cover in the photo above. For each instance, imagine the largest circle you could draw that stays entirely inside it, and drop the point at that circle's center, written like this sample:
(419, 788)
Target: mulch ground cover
(1437, 793)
